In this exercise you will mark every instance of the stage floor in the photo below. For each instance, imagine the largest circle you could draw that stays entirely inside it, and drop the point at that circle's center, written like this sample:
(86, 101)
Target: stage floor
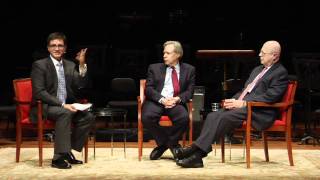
(117, 166)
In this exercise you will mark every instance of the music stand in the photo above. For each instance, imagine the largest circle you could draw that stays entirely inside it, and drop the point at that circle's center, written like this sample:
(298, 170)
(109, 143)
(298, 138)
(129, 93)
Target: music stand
(307, 67)
(224, 55)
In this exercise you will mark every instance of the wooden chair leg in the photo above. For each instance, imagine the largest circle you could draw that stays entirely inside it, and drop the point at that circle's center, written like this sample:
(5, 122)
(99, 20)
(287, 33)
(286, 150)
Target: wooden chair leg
(265, 145)
(248, 143)
(18, 141)
(86, 151)
(94, 146)
(40, 141)
(140, 141)
(230, 148)
(190, 132)
(222, 149)
(244, 145)
(289, 147)
(184, 137)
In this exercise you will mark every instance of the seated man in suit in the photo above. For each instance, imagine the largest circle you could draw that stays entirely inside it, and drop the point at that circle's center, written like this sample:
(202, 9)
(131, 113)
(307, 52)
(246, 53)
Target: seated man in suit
(267, 83)
(55, 81)
(169, 87)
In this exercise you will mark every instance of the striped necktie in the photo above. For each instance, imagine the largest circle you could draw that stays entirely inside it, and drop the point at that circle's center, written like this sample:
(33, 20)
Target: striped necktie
(252, 84)
(61, 92)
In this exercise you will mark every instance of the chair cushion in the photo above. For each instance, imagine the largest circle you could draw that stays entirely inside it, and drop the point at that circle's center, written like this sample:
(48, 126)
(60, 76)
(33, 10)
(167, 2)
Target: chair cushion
(48, 124)
(165, 121)
(279, 123)
(276, 123)
(165, 118)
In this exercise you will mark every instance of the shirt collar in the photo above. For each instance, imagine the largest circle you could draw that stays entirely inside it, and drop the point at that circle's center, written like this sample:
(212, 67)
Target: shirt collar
(268, 67)
(55, 61)
(177, 67)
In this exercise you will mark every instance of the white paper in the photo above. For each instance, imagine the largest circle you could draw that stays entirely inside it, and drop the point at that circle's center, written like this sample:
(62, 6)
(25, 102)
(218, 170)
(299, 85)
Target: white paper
(81, 107)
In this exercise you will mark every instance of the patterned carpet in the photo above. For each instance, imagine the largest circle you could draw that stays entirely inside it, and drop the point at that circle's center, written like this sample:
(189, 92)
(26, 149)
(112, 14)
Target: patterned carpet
(105, 166)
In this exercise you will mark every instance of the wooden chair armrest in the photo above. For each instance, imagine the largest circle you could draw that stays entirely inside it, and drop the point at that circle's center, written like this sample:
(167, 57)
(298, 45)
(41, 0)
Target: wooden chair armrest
(250, 105)
(275, 105)
(139, 99)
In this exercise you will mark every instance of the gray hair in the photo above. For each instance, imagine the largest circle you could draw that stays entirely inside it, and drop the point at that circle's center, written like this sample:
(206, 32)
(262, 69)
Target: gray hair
(177, 47)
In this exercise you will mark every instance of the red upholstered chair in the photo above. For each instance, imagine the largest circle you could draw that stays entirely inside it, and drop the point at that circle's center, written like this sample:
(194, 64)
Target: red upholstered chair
(23, 97)
(283, 124)
(164, 120)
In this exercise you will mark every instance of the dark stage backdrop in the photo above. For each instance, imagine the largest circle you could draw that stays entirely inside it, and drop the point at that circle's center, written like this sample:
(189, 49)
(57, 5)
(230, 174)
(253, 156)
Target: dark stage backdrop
(124, 37)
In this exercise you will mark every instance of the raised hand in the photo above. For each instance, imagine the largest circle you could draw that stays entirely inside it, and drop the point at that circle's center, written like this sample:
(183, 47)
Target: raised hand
(81, 56)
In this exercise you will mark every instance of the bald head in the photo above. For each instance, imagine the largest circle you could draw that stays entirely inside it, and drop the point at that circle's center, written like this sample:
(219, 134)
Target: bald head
(273, 47)
(270, 53)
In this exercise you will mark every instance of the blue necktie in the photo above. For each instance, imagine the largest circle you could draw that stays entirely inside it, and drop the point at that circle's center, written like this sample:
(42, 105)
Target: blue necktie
(61, 92)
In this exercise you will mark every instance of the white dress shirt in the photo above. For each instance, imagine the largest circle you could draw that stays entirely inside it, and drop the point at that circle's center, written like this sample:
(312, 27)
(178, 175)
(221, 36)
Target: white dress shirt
(168, 90)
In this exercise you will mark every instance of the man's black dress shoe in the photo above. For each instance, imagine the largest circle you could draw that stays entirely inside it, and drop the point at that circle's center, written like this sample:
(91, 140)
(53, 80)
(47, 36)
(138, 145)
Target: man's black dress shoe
(72, 159)
(157, 152)
(61, 163)
(174, 150)
(193, 161)
(185, 152)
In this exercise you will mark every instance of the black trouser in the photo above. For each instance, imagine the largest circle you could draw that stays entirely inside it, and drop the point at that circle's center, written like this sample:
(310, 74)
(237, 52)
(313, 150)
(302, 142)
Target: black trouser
(71, 129)
(165, 136)
(217, 124)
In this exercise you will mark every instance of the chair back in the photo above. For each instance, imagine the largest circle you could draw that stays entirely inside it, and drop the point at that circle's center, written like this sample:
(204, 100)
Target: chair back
(288, 97)
(123, 87)
(23, 97)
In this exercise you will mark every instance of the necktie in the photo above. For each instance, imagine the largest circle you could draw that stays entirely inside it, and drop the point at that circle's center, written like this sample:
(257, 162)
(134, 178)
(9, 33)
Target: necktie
(175, 82)
(61, 92)
(252, 84)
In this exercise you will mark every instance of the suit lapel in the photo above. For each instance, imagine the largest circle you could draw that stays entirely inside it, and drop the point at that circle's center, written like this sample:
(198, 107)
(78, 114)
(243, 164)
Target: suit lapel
(274, 67)
(257, 72)
(66, 73)
(253, 75)
(163, 69)
(52, 70)
(269, 72)
(182, 76)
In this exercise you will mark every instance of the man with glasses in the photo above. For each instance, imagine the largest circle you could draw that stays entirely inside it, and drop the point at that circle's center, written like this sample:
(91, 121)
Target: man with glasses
(55, 81)
(267, 83)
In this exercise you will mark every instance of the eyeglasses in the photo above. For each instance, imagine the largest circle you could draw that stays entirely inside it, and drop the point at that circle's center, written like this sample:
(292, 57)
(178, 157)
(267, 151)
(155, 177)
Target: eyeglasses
(59, 46)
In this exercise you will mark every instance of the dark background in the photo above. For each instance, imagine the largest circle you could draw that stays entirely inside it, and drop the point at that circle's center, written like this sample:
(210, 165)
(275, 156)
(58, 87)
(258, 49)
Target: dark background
(124, 37)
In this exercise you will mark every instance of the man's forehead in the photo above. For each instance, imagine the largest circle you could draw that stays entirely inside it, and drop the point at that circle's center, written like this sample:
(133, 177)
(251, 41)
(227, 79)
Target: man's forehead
(169, 48)
(56, 41)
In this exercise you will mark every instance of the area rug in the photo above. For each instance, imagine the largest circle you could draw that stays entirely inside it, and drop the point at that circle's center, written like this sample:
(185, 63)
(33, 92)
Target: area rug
(119, 166)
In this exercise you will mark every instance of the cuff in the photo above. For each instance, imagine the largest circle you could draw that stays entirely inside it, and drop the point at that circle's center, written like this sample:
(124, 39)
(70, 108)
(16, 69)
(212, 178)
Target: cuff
(179, 100)
(244, 104)
(160, 100)
(83, 70)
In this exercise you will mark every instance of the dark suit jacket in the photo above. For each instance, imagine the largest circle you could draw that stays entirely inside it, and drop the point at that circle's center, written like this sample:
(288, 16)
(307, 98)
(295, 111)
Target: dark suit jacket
(156, 77)
(45, 83)
(270, 88)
